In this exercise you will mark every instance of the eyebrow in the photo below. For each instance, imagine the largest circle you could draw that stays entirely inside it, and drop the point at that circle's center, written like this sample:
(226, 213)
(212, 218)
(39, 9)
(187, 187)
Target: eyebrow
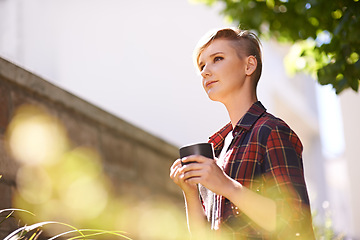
(211, 55)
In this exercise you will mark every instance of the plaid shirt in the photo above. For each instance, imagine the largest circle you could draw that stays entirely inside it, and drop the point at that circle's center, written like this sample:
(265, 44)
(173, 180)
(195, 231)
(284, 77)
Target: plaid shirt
(264, 156)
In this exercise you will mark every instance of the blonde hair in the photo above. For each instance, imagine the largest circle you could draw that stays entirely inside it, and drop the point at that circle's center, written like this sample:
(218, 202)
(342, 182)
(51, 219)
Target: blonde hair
(245, 43)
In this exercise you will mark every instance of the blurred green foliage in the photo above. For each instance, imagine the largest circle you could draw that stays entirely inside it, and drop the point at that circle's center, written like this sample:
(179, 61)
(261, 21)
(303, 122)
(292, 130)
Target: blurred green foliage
(60, 182)
(324, 230)
(33, 232)
(326, 32)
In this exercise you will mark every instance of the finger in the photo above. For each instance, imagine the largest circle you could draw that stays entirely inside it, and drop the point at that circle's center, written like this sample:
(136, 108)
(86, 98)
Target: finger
(191, 174)
(195, 158)
(174, 169)
(174, 173)
(191, 167)
(176, 164)
(193, 180)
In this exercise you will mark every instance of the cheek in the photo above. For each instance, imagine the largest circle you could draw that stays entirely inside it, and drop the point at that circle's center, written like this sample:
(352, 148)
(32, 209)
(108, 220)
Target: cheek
(236, 72)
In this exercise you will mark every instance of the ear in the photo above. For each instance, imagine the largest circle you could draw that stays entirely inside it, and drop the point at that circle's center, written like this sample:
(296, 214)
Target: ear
(251, 64)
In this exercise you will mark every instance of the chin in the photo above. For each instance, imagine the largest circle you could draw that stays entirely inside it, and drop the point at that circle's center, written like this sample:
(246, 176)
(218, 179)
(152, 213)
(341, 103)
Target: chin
(214, 94)
(213, 97)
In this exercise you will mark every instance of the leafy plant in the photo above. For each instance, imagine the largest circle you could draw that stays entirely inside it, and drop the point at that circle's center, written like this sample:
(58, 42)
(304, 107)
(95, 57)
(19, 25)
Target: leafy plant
(60, 181)
(33, 232)
(332, 28)
(324, 230)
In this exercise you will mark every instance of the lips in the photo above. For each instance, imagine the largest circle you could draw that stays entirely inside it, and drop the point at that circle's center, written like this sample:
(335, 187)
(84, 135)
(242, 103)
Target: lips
(208, 83)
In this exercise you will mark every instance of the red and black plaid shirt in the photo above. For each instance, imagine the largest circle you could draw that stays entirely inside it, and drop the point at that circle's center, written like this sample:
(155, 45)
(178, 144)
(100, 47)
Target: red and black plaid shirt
(265, 156)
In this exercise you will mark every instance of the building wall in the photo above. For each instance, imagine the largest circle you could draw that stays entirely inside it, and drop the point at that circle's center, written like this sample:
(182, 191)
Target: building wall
(132, 58)
(347, 175)
(136, 162)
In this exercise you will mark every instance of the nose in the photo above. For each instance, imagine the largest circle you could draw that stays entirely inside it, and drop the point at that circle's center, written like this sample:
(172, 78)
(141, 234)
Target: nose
(205, 72)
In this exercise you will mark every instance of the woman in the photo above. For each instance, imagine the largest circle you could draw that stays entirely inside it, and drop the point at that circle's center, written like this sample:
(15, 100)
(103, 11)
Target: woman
(255, 189)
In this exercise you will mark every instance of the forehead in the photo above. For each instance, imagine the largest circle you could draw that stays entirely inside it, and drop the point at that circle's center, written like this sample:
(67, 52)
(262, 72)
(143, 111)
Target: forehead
(218, 45)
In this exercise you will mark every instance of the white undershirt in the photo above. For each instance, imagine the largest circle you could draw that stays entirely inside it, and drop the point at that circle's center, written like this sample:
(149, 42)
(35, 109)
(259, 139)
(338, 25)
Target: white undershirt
(227, 141)
(208, 196)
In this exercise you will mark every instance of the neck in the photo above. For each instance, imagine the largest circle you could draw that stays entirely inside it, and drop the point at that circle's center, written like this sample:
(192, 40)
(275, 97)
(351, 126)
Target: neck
(239, 106)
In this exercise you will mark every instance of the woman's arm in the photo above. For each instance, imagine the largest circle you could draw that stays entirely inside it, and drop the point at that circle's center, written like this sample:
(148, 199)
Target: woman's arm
(260, 209)
(195, 215)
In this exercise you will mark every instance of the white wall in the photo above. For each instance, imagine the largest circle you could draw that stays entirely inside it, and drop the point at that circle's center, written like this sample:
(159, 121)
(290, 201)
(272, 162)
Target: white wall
(350, 105)
(132, 58)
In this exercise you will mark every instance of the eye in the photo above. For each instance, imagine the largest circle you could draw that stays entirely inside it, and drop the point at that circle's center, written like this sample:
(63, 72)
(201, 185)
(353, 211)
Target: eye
(218, 58)
(201, 67)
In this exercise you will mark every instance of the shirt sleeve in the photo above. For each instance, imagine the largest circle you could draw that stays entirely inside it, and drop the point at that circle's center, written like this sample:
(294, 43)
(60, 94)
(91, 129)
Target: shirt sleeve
(285, 184)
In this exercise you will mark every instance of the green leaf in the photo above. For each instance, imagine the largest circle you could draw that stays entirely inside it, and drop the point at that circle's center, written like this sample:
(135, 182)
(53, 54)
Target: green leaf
(341, 85)
(284, 21)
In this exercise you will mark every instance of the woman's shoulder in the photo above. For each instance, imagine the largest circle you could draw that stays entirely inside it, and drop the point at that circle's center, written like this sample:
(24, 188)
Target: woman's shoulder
(269, 121)
(269, 124)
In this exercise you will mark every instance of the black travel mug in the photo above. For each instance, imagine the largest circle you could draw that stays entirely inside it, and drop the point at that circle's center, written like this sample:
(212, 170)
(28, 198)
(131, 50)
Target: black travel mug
(203, 149)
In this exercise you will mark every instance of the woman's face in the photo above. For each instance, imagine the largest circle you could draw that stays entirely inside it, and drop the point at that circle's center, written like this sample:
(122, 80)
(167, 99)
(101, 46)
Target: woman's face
(223, 72)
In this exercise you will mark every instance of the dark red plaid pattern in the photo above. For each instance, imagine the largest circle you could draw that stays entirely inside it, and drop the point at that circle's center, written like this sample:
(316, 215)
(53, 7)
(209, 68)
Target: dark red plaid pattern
(266, 157)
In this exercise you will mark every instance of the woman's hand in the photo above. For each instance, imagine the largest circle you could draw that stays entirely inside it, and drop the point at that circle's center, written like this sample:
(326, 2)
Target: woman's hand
(195, 214)
(199, 169)
(205, 171)
(178, 177)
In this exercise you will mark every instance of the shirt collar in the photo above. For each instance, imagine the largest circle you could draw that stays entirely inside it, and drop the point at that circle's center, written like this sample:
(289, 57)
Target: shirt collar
(246, 122)
(251, 116)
